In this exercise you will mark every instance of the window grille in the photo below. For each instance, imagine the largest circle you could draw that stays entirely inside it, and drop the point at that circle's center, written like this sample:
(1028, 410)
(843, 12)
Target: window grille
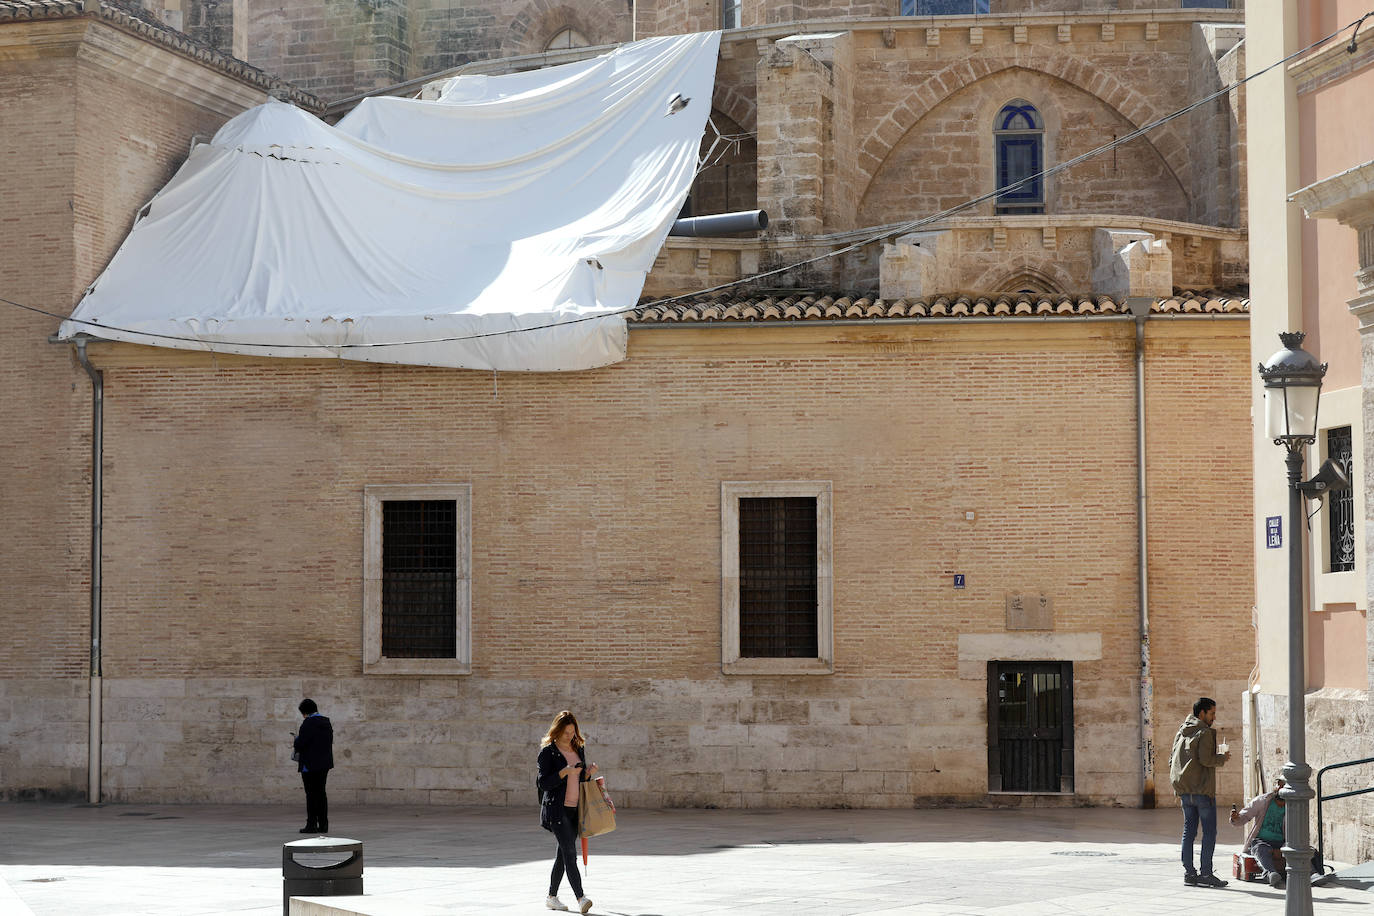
(943, 7)
(777, 577)
(419, 577)
(1020, 142)
(730, 14)
(1340, 507)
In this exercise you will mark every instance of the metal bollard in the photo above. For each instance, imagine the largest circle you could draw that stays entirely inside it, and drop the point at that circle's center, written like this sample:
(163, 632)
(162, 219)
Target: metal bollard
(339, 879)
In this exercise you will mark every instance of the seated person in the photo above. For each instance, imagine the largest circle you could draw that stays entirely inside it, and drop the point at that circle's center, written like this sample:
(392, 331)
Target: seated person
(1264, 839)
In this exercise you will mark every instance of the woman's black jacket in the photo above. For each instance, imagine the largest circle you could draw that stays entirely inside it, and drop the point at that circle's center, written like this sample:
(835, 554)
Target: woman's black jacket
(552, 787)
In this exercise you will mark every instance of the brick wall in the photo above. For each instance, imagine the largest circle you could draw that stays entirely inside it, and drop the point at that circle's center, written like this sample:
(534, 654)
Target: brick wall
(43, 410)
(234, 507)
(92, 122)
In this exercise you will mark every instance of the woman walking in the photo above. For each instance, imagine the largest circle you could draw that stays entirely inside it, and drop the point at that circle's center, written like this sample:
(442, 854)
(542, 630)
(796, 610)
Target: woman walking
(562, 770)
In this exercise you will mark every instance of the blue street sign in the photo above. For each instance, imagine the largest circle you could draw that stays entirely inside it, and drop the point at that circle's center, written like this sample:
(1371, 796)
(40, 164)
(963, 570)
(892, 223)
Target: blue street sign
(958, 580)
(1273, 527)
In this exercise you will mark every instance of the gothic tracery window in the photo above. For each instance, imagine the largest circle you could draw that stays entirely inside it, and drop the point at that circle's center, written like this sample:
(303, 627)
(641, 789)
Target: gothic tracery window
(1019, 141)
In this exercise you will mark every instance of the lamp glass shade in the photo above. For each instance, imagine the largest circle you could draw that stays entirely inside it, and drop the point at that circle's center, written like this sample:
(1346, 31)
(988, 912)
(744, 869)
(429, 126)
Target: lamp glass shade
(1291, 412)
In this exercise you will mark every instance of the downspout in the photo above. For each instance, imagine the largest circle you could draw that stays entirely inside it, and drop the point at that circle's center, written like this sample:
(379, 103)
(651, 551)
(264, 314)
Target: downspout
(97, 447)
(1140, 310)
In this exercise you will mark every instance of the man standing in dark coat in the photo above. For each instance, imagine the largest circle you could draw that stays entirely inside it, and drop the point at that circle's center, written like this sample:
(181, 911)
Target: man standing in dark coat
(315, 749)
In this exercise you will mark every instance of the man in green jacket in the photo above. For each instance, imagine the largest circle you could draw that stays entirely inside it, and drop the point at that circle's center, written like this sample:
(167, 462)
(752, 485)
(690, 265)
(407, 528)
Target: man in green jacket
(1193, 771)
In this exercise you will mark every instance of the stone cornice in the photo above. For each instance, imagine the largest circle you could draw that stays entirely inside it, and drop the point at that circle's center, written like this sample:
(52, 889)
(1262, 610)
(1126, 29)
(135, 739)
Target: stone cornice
(1347, 196)
(1331, 63)
(37, 27)
(1149, 224)
(94, 42)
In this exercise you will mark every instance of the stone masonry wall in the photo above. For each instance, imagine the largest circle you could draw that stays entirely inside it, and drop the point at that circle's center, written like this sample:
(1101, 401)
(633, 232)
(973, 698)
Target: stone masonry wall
(233, 513)
(947, 157)
(1339, 729)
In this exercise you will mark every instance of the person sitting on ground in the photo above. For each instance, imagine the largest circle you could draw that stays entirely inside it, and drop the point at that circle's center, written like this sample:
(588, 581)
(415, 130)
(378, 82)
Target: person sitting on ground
(1264, 839)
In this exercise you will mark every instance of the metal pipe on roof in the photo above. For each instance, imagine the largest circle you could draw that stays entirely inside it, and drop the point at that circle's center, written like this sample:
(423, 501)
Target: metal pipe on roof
(720, 223)
(97, 450)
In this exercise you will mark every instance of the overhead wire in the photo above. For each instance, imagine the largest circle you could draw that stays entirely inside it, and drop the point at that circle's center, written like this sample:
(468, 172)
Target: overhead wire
(882, 233)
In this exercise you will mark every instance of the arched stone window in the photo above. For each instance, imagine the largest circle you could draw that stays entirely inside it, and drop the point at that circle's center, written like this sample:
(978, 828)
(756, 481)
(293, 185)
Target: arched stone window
(567, 38)
(1019, 142)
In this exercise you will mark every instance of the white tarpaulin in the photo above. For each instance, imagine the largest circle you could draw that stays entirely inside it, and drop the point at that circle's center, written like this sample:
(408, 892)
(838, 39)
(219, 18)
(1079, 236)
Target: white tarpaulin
(537, 200)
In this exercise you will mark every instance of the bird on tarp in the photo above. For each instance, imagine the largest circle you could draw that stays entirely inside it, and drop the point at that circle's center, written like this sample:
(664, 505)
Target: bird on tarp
(677, 103)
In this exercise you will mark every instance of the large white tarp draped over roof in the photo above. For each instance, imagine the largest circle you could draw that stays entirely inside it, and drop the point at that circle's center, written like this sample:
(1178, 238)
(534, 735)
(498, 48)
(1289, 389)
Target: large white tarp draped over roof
(493, 228)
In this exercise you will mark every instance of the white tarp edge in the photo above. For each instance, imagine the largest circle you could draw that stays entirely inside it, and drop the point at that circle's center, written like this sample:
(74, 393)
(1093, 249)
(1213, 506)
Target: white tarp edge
(491, 229)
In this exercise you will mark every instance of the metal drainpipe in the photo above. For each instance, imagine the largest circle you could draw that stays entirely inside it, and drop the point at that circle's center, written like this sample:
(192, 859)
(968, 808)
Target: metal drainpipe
(97, 447)
(1140, 310)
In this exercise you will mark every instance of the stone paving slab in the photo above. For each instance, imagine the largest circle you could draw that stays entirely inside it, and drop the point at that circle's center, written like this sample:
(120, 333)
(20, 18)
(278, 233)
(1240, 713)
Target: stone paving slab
(152, 860)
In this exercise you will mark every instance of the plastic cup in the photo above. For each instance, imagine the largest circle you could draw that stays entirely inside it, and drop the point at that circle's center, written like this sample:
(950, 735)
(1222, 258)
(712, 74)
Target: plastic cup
(1223, 748)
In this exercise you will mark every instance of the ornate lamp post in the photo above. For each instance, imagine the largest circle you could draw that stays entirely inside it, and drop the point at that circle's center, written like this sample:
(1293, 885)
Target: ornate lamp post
(1292, 384)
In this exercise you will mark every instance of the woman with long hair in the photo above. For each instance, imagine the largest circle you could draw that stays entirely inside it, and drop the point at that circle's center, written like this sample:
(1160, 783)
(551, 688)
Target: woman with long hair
(562, 770)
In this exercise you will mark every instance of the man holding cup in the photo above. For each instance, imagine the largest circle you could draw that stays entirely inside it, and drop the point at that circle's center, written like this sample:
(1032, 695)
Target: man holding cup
(1193, 767)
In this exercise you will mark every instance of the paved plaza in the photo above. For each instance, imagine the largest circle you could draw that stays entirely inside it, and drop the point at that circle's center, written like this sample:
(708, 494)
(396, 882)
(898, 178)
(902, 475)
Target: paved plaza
(184, 860)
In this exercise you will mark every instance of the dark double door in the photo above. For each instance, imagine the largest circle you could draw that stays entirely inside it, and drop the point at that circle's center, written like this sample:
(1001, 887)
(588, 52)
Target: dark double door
(1030, 726)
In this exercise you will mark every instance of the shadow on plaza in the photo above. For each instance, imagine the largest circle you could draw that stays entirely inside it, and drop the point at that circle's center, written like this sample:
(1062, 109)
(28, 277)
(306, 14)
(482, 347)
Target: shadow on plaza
(251, 837)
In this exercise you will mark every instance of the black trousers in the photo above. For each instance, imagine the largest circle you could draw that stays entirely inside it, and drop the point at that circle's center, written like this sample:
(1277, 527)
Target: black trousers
(316, 802)
(566, 860)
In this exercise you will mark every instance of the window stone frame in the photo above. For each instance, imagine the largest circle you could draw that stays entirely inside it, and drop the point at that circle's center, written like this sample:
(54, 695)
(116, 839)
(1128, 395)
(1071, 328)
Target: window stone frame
(731, 492)
(373, 660)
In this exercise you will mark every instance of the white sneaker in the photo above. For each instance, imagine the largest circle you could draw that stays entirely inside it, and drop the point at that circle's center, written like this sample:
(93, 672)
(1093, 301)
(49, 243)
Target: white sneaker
(554, 903)
(584, 904)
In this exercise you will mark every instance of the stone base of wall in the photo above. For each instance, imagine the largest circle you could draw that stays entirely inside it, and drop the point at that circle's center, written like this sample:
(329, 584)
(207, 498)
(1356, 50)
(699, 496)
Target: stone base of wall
(1338, 729)
(729, 742)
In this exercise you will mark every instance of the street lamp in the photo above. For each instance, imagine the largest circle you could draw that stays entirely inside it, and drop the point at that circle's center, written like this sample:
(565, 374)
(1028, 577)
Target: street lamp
(1292, 384)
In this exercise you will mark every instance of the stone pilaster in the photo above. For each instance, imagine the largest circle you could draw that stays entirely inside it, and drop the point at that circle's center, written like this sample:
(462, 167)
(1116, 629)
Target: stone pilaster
(796, 99)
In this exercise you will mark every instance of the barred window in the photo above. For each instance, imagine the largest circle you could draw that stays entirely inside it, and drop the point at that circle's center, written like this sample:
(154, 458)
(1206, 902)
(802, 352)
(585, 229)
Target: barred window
(419, 543)
(777, 577)
(776, 594)
(1340, 506)
(416, 587)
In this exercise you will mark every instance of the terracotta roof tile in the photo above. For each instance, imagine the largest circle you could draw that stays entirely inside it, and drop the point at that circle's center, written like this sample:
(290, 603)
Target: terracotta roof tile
(810, 306)
(134, 18)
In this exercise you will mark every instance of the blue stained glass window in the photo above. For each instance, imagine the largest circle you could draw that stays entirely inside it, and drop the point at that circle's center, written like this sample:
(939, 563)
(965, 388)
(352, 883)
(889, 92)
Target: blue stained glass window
(943, 7)
(1020, 145)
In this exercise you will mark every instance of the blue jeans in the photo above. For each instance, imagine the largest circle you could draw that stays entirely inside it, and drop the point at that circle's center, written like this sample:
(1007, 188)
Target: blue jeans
(1263, 852)
(1199, 808)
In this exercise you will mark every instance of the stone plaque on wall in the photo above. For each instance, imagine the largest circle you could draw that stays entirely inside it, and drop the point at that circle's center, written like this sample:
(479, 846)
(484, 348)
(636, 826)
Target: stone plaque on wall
(1029, 611)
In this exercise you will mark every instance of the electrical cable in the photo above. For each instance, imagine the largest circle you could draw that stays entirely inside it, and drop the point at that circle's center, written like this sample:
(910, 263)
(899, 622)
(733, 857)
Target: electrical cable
(886, 232)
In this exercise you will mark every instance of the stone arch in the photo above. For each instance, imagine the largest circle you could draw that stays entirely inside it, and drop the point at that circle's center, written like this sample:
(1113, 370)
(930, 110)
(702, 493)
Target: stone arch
(731, 183)
(1042, 273)
(540, 20)
(736, 106)
(1075, 71)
